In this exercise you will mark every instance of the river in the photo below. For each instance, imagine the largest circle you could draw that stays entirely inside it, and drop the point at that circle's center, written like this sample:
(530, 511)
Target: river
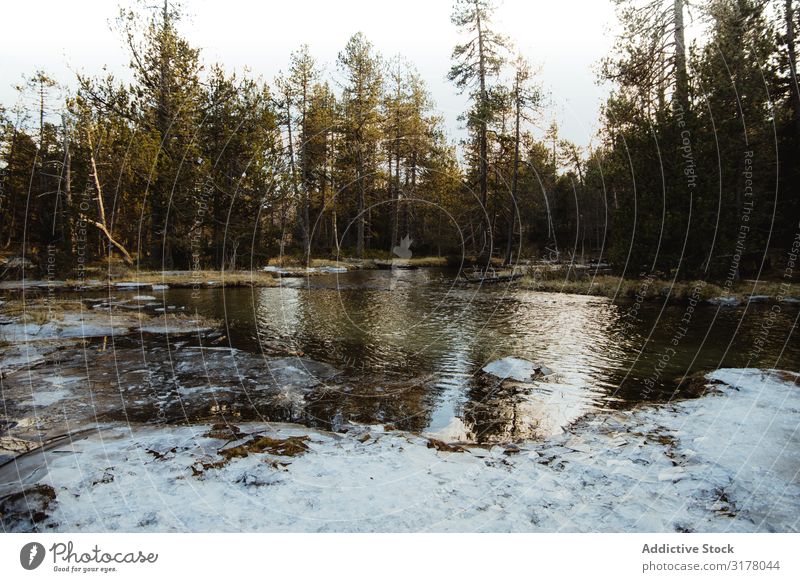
(410, 345)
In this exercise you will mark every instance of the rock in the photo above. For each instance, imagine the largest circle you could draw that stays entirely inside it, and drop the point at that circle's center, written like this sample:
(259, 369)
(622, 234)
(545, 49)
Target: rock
(515, 369)
(444, 447)
(297, 372)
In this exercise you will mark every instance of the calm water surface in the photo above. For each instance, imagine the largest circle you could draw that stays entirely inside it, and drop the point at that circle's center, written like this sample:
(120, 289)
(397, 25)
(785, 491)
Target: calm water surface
(410, 346)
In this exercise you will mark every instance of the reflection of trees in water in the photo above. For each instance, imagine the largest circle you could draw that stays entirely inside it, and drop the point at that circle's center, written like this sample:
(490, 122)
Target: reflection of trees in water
(499, 412)
(402, 404)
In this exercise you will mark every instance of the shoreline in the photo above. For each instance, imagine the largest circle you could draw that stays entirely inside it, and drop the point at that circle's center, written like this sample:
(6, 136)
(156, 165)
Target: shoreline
(652, 290)
(674, 476)
(544, 281)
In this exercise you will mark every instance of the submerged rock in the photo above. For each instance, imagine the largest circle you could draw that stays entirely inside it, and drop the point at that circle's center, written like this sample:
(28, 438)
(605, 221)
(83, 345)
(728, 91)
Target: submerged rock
(299, 372)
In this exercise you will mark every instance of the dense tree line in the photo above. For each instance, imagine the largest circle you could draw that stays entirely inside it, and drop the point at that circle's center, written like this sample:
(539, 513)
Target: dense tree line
(700, 153)
(189, 165)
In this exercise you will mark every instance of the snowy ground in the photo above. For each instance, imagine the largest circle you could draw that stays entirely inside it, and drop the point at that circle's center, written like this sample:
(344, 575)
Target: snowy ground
(727, 461)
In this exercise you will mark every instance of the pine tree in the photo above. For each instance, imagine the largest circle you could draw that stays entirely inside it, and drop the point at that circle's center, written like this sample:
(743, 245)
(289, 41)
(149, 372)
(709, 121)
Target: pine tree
(476, 62)
(362, 88)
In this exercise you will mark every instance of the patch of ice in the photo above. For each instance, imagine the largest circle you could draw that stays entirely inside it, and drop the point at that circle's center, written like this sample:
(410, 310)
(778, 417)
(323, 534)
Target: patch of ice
(48, 398)
(143, 298)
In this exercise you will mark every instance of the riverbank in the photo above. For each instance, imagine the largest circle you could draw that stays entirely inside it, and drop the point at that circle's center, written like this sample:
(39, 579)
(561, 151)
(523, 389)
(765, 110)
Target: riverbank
(123, 278)
(651, 289)
(724, 462)
(544, 278)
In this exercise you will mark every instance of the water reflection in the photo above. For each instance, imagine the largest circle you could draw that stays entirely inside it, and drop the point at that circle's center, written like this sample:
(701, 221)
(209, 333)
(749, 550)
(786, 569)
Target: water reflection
(410, 346)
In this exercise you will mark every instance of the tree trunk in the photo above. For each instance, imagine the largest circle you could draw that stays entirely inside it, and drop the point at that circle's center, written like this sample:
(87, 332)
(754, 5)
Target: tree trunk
(68, 233)
(361, 202)
(10, 195)
(514, 181)
(681, 76)
(102, 225)
(482, 122)
(794, 88)
(159, 249)
(304, 177)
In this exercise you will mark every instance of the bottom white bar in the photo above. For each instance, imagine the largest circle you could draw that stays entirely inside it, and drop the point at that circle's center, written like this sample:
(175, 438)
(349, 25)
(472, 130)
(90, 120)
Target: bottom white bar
(388, 557)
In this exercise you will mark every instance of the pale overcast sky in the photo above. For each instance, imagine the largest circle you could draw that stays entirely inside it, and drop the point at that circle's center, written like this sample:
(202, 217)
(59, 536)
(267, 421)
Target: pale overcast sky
(565, 38)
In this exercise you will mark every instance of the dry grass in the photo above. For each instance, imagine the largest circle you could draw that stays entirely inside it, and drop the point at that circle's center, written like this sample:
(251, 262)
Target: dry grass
(188, 278)
(428, 261)
(72, 312)
(41, 310)
(416, 262)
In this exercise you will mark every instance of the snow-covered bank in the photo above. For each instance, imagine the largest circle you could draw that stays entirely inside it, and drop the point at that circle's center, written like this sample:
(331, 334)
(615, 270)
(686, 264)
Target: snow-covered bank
(727, 461)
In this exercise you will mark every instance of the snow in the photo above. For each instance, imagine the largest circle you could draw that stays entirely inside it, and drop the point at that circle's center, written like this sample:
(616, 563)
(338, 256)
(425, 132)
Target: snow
(143, 298)
(759, 298)
(48, 398)
(725, 301)
(130, 285)
(333, 269)
(727, 461)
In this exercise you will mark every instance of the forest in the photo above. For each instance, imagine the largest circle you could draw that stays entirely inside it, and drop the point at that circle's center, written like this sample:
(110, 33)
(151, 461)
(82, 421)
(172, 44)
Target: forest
(694, 173)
